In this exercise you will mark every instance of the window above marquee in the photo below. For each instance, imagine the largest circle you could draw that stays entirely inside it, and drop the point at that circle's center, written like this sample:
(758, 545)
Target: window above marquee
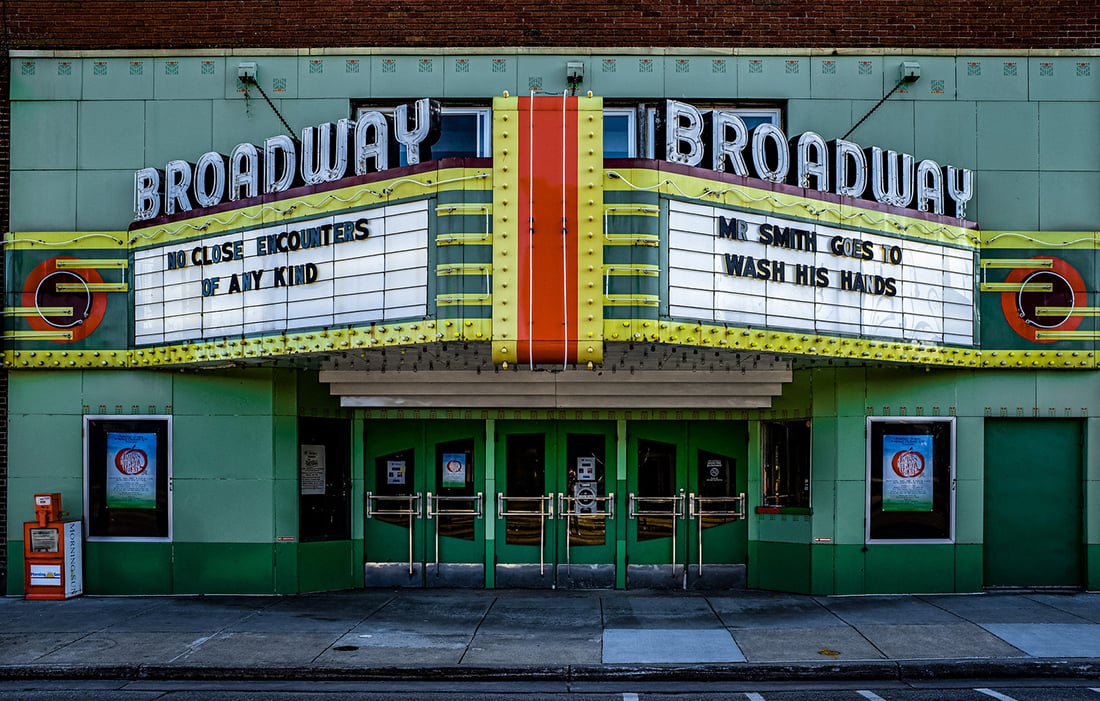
(465, 132)
(630, 131)
(467, 129)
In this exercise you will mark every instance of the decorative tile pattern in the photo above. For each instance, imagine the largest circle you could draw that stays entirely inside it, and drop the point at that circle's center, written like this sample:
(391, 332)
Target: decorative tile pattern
(500, 65)
(973, 68)
(99, 68)
(645, 65)
(866, 68)
(389, 65)
(718, 65)
(534, 82)
(1046, 69)
(1083, 69)
(28, 68)
(462, 65)
(171, 68)
(683, 65)
(792, 66)
(938, 87)
(208, 68)
(828, 67)
(351, 65)
(316, 65)
(1011, 69)
(278, 84)
(756, 65)
(425, 65)
(608, 65)
(137, 67)
(64, 67)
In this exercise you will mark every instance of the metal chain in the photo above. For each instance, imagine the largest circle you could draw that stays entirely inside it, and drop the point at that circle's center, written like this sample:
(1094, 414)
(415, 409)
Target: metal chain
(877, 105)
(253, 81)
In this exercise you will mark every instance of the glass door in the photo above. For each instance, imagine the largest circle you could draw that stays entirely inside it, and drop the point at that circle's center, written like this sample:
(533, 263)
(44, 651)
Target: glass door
(717, 480)
(525, 544)
(657, 506)
(424, 504)
(455, 511)
(686, 513)
(586, 507)
(555, 512)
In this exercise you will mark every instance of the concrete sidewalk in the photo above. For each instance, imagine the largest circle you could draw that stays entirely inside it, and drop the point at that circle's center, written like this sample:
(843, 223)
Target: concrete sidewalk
(461, 634)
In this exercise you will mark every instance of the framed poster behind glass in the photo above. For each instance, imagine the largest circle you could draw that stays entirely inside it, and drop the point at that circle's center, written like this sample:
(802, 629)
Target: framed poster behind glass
(910, 480)
(127, 477)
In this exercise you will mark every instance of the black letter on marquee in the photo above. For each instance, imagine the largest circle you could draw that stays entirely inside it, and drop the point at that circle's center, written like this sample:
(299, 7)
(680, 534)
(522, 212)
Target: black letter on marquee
(732, 229)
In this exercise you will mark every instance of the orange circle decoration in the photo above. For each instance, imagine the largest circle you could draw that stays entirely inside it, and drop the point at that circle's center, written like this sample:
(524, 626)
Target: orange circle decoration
(1067, 290)
(907, 464)
(40, 292)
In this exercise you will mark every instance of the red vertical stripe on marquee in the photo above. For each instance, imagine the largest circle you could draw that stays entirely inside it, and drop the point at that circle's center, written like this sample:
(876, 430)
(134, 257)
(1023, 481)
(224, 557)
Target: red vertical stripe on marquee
(547, 328)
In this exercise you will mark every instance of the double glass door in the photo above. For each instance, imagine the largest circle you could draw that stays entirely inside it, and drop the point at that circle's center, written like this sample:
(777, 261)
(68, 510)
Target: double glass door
(555, 505)
(567, 504)
(425, 504)
(685, 506)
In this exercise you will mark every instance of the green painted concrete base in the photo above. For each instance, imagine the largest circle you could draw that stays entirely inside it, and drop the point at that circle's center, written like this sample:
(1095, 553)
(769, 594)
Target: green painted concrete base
(290, 568)
(207, 568)
(326, 566)
(779, 566)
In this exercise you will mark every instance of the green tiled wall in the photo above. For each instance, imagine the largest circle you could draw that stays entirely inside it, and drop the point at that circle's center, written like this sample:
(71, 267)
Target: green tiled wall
(1026, 124)
(235, 479)
(849, 77)
(841, 563)
(891, 127)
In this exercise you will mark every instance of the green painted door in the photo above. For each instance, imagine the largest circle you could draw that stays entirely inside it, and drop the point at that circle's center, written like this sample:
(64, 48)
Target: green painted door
(717, 480)
(425, 521)
(585, 525)
(657, 528)
(686, 525)
(1033, 487)
(552, 517)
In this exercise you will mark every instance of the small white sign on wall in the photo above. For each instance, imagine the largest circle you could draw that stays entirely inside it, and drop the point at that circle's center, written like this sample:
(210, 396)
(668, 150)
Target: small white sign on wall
(313, 470)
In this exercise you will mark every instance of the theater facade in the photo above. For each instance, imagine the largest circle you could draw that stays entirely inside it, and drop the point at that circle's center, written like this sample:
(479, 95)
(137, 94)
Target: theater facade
(280, 322)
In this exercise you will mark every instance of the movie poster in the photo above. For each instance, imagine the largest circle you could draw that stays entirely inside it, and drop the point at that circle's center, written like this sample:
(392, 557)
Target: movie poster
(907, 473)
(131, 470)
(454, 469)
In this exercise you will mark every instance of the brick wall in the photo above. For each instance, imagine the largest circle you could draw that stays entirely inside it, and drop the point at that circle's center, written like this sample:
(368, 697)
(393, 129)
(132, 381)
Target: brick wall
(130, 24)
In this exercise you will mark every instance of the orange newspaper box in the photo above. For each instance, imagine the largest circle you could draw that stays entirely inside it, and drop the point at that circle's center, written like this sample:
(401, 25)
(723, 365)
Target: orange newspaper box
(52, 552)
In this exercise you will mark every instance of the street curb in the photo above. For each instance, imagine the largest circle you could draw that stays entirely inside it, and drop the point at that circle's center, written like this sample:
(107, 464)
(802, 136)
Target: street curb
(871, 670)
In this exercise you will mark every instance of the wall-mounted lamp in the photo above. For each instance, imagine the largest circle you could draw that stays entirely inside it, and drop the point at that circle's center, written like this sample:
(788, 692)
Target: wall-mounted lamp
(909, 72)
(246, 72)
(574, 75)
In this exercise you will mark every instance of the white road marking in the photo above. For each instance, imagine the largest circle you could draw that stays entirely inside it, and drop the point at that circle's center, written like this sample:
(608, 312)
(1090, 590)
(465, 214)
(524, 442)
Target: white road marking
(630, 697)
(753, 696)
(994, 694)
(872, 696)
